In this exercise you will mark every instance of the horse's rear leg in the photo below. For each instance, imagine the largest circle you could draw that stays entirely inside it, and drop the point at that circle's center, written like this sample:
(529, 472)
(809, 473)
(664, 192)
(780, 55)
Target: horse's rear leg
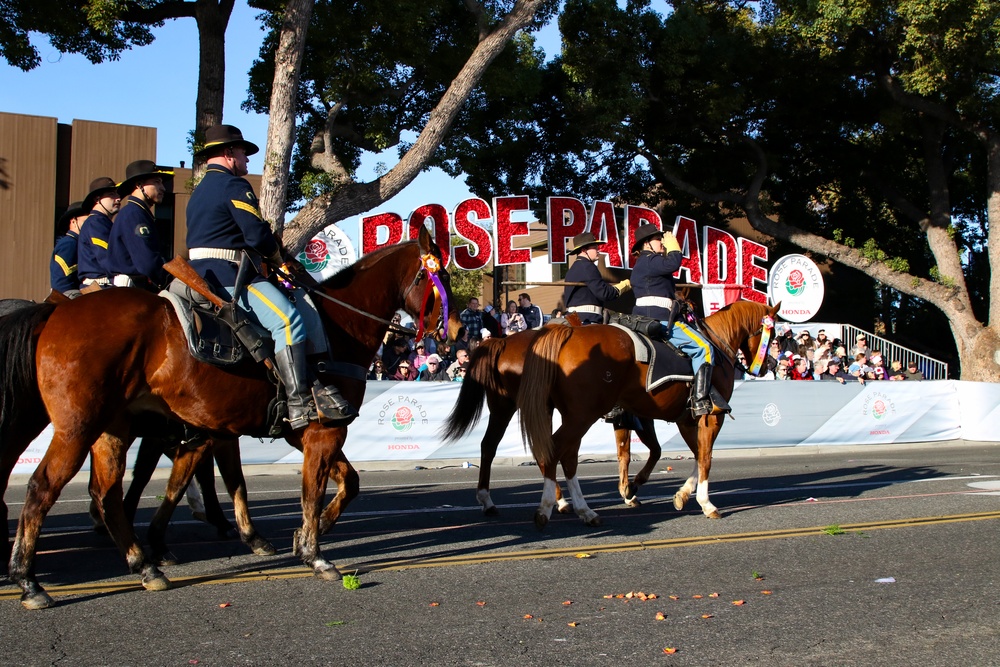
(227, 455)
(319, 450)
(567, 442)
(185, 462)
(648, 436)
(108, 460)
(211, 509)
(146, 460)
(348, 487)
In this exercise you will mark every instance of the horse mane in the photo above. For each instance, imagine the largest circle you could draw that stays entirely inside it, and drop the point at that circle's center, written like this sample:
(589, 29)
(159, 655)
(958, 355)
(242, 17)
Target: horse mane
(343, 278)
(731, 321)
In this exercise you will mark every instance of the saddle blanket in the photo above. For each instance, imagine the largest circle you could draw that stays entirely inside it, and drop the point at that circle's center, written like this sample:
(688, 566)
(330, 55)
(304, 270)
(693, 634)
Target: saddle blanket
(665, 365)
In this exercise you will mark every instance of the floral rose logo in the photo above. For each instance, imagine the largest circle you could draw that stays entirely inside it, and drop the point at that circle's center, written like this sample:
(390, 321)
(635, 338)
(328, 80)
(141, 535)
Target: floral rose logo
(402, 421)
(796, 283)
(878, 409)
(315, 257)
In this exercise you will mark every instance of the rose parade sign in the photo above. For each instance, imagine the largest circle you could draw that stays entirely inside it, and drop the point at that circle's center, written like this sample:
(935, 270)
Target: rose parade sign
(728, 267)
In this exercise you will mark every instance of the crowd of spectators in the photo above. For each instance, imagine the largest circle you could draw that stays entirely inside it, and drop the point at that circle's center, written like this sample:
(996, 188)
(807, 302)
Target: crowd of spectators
(804, 357)
(433, 359)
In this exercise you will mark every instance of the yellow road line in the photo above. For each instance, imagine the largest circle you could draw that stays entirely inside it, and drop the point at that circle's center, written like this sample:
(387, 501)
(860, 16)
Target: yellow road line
(501, 556)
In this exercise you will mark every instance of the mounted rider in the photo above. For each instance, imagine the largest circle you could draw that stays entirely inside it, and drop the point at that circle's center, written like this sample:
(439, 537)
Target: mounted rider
(589, 299)
(134, 256)
(63, 275)
(223, 220)
(102, 202)
(659, 257)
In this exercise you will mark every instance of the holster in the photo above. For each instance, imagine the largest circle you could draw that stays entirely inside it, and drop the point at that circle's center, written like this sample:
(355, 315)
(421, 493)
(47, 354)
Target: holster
(248, 335)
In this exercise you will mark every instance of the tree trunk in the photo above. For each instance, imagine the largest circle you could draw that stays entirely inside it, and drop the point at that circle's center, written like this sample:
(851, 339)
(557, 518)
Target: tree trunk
(357, 198)
(281, 122)
(213, 19)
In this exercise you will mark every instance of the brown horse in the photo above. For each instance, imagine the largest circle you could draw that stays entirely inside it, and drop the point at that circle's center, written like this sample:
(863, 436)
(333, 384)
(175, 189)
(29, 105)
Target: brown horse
(582, 372)
(494, 376)
(143, 365)
(23, 417)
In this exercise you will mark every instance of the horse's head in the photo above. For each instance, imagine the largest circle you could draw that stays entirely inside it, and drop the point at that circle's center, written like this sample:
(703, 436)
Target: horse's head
(428, 298)
(761, 332)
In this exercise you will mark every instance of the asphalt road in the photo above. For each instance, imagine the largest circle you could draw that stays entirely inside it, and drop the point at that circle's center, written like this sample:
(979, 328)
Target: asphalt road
(850, 556)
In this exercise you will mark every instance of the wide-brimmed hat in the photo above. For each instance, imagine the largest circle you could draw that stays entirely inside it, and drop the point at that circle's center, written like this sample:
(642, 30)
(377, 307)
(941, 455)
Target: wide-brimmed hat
(98, 187)
(221, 136)
(75, 209)
(137, 171)
(645, 233)
(583, 241)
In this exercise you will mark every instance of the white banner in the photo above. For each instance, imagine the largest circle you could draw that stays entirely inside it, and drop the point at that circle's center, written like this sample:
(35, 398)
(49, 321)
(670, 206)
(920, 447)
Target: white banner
(401, 421)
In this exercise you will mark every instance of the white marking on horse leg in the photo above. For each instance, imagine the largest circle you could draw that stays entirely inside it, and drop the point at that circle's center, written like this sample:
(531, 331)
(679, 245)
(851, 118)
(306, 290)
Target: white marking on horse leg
(706, 505)
(683, 493)
(583, 511)
(483, 496)
(548, 498)
(563, 505)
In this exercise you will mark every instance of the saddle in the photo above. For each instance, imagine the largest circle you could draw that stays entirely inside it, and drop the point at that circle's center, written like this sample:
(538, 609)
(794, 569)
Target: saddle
(666, 362)
(212, 338)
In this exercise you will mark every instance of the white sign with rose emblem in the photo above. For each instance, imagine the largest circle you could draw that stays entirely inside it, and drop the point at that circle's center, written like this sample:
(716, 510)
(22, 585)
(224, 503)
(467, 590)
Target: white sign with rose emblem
(796, 282)
(328, 252)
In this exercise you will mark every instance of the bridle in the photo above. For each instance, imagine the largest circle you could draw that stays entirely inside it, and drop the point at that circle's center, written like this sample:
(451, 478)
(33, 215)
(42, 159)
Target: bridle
(757, 366)
(428, 263)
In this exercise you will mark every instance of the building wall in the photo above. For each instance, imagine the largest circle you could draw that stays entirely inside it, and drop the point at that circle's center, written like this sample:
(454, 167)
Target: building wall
(105, 149)
(28, 147)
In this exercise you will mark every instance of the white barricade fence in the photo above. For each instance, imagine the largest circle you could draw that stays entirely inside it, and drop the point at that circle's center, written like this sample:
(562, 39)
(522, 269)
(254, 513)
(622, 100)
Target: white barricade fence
(402, 421)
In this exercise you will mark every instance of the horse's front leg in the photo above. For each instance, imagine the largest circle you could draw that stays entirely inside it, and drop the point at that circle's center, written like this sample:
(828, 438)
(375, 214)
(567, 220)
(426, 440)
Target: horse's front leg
(319, 447)
(501, 412)
(623, 443)
(227, 455)
(700, 435)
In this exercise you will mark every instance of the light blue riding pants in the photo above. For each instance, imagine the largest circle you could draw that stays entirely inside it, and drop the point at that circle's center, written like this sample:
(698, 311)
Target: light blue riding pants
(290, 323)
(691, 343)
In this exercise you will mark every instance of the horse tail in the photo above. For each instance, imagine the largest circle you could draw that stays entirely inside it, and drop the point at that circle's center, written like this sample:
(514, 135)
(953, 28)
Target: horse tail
(482, 377)
(19, 332)
(533, 399)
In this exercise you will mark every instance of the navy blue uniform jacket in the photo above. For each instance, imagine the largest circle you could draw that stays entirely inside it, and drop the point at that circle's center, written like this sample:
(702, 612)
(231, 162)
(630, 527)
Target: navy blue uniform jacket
(92, 247)
(133, 249)
(223, 213)
(63, 269)
(596, 292)
(653, 275)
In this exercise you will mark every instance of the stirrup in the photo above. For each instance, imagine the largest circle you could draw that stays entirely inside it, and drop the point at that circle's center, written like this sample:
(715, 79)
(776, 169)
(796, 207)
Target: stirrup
(615, 413)
(331, 408)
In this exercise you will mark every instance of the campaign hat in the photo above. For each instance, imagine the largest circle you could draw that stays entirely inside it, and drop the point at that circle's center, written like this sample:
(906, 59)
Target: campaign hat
(98, 186)
(645, 232)
(137, 171)
(222, 136)
(583, 241)
(75, 209)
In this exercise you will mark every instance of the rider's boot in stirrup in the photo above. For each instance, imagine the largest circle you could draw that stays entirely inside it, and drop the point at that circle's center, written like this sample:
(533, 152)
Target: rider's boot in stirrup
(705, 400)
(334, 409)
(291, 362)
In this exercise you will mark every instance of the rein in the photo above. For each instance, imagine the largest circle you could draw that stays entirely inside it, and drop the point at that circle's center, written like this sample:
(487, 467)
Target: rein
(428, 263)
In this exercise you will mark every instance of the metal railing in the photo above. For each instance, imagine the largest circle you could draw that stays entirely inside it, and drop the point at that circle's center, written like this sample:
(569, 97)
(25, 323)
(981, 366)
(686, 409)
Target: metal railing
(931, 368)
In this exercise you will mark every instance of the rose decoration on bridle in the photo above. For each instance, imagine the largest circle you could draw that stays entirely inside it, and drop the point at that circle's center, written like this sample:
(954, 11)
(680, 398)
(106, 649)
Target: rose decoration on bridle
(431, 265)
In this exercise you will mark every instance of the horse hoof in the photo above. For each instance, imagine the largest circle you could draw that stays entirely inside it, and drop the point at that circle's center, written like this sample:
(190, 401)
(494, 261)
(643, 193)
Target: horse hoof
(632, 502)
(261, 546)
(541, 521)
(156, 582)
(167, 559)
(594, 521)
(199, 516)
(679, 502)
(714, 514)
(491, 511)
(327, 573)
(39, 600)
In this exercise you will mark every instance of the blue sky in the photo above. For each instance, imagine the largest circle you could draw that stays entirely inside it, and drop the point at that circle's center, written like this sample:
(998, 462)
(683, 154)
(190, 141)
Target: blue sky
(155, 86)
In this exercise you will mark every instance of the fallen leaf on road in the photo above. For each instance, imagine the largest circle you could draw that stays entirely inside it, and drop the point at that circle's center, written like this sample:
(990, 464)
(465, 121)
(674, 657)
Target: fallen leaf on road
(765, 592)
(573, 624)
(673, 597)
(739, 602)
(696, 597)
(713, 595)
(670, 649)
(481, 603)
(708, 615)
(583, 556)
(226, 604)
(660, 616)
(435, 604)
(568, 602)
(528, 616)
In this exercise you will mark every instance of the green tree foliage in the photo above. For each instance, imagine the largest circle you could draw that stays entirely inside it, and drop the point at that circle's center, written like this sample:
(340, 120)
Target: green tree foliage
(72, 26)
(818, 121)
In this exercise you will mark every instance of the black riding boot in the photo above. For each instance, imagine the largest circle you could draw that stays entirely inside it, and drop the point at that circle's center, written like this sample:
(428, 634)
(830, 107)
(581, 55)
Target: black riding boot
(291, 362)
(334, 409)
(705, 400)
